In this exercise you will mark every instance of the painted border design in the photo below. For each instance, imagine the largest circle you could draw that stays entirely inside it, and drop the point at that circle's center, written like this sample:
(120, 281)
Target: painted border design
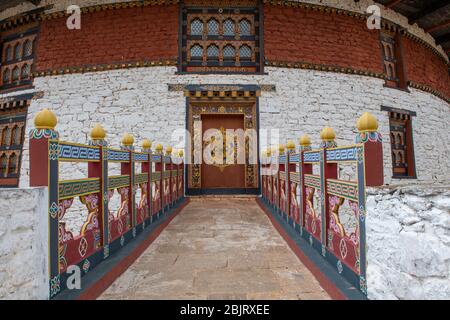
(343, 189)
(74, 152)
(74, 188)
(342, 154)
(118, 182)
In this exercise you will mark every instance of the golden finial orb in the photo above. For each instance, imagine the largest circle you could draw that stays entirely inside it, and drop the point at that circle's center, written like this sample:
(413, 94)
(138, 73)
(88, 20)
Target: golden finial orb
(146, 144)
(97, 132)
(127, 140)
(169, 150)
(281, 148)
(181, 153)
(45, 119)
(305, 140)
(367, 123)
(290, 145)
(159, 148)
(328, 134)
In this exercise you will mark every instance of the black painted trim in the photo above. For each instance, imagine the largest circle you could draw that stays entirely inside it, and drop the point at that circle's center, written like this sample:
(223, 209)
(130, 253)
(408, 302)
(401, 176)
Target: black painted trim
(347, 289)
(105, 266)
(390, 109)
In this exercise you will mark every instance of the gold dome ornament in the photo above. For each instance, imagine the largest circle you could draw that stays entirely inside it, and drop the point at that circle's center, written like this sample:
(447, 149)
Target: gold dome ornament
(281, 148)
(127, 140)
(45, 119)
(169, 150)
(146, 144)
(327, 134)
(290, 146)
(181, 153)
(367, 123)
(304, 141)
(268, 152)
(159, 148)
(97, 132)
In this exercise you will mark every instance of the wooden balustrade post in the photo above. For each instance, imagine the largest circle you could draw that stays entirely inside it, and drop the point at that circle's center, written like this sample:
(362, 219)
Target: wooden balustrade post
(281, 168)
(370, 173)
(147, 168)
(373, 149)
(44, 171)
(304, 168)
(45, 123)
(127, 168)
(327, 171)
(100, 170)
(169, 167)
(159, 167)
(289, 168)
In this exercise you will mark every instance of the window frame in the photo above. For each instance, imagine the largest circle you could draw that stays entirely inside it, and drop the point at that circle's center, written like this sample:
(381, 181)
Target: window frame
(411, 172)
(223, 65)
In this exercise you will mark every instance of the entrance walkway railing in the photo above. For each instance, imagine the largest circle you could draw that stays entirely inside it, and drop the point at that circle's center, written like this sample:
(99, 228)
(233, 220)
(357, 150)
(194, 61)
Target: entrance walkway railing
(329, 212)
(158, 179)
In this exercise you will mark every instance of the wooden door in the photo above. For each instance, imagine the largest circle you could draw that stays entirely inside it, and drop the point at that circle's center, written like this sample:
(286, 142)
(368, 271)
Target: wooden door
(224, 175)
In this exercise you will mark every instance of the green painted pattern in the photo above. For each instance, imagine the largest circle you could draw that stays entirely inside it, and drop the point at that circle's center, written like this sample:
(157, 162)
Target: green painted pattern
(141, 178)
(74, 188)
(118, 182)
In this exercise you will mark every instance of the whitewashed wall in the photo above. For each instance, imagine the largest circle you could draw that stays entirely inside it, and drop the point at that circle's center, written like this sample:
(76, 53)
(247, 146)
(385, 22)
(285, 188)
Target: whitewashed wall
(408, 239)
(24, 244)
(138, 101)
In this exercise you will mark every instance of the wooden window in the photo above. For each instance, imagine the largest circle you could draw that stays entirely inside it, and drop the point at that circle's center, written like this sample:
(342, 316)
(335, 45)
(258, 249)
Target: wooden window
(3, 164)
(12, 167)
(392, 60)
(17, 59)
(13, 113)
(402, 147)
(220, 39)
(213, 27)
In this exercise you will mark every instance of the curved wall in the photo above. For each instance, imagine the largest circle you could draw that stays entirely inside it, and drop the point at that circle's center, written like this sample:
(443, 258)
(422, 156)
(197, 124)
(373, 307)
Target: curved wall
(138, 101)
(306, 36)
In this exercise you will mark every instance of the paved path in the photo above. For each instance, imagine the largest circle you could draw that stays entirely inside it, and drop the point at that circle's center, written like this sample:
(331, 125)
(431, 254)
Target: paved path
(218, 249)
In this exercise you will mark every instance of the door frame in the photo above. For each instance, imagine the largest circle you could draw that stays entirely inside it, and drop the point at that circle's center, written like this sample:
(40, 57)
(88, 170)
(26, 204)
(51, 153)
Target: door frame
(213, 104)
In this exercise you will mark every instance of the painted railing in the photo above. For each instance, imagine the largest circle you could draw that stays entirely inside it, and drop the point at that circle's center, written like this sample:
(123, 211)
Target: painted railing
(158, 178)
(305, 189)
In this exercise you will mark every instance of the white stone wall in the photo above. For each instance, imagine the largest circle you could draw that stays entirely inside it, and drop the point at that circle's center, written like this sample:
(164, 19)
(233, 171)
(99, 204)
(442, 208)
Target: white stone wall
(24, 243)
(138, 101)
(408, 239)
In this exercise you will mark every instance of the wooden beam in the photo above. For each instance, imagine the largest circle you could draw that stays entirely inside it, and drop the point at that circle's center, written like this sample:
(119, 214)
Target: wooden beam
(432, 7)
(392, 3)
(438, 26)
(443, 39)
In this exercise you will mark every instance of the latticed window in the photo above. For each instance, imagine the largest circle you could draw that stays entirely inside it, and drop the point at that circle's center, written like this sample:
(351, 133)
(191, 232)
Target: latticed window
(15, 74)
(16, 136)
(213, 52)
(3, 164)
(25, 74)
(196, 52)
(8, 54)
(221, 39)
(17, 51)
(245, 52)
(229, 28)
(197, 27)
(245, 27)
(28, 48)
(6, 76)
(229, 53)
(6, 136)
(12, 164)
(213, 27)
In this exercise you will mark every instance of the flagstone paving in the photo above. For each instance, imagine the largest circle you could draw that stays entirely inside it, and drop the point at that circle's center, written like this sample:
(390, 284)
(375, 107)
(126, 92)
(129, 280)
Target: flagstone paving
(218, 249)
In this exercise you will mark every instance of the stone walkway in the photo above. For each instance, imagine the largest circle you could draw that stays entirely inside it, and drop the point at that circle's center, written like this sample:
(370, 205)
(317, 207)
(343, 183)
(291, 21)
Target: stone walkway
(218, 249)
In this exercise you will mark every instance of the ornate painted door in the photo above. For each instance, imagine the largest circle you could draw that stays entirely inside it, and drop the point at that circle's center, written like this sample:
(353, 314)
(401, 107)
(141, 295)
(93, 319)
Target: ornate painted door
(222, 170)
